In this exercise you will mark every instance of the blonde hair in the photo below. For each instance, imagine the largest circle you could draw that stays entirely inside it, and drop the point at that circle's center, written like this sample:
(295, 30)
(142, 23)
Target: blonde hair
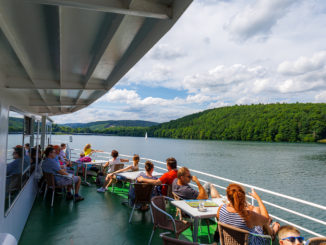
(282, 232)
(87, 147)
(182, 171)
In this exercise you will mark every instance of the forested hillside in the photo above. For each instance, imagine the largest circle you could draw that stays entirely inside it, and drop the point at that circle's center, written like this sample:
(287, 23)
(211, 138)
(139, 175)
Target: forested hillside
(101, 125)
(120, 131)
(273, 122)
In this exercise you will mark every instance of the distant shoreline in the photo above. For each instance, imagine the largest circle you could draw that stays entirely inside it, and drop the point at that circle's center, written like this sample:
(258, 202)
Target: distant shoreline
(323, 141)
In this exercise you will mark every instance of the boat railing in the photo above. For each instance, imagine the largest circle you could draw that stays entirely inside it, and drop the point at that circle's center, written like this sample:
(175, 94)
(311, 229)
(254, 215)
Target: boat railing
(105, 155)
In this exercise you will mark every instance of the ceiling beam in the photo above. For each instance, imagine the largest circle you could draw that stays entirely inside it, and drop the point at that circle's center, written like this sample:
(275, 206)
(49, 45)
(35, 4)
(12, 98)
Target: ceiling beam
(62, 104)
(94, 84)
(143, 8)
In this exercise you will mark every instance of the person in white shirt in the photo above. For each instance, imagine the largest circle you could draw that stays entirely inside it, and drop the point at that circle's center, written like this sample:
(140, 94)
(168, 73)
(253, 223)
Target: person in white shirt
(115, 160)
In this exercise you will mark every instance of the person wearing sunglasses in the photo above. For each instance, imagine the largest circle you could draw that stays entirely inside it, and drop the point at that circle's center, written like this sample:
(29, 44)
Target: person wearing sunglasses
(289, 235)
(181, 187)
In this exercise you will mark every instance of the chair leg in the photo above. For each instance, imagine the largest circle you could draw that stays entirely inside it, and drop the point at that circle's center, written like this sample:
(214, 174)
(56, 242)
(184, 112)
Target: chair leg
(9, 199)
(45, 191)
(209, 234)
(150, 209)
(150, 239)
(132, 212)
(53, 190)
(40, 190)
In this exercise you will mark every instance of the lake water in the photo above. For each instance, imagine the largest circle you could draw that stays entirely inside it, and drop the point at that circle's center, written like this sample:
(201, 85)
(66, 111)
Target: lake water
(298, 170)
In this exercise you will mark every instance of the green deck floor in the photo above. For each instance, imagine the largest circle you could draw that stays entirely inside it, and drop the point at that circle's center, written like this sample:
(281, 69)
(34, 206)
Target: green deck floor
(99, 219)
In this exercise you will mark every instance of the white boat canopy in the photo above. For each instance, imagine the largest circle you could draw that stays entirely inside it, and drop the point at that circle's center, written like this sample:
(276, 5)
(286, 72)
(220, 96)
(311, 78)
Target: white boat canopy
(59, 56)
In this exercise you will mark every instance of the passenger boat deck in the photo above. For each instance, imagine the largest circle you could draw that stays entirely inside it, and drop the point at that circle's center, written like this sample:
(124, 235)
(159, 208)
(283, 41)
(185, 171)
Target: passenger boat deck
(99, 219)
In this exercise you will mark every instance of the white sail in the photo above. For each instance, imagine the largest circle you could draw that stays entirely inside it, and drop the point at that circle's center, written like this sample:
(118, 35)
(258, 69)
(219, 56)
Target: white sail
(146, 136)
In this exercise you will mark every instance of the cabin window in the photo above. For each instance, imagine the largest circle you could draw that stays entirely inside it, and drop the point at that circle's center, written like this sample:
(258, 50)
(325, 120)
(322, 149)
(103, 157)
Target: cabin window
(23, 137)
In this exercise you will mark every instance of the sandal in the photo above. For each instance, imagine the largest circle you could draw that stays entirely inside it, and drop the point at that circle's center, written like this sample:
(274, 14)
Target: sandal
(78, 198)
(144, 208)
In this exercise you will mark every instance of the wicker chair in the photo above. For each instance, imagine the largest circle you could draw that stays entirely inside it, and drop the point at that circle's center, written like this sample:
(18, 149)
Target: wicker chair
(164, 220)
(231, 235)
(50, 183)
(173, 241)
(116, 167)
(317, 241)
(143, 195)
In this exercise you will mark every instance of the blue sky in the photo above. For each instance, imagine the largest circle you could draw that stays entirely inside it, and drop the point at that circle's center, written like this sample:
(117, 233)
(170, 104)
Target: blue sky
(223, 53)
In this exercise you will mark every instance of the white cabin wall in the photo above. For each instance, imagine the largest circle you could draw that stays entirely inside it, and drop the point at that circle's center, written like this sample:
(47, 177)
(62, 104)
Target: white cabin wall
(16, 218)
(3, 155)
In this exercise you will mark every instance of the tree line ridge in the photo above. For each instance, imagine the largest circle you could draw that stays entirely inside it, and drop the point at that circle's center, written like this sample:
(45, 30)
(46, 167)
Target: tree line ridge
(280, 122)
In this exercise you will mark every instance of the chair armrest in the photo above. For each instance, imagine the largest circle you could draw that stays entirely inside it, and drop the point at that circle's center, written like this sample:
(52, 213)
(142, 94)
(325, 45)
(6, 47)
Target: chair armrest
(169, 198)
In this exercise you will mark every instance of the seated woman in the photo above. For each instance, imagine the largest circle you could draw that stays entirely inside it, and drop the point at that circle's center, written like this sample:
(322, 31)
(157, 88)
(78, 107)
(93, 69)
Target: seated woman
(238, 213)
(88, 151)
(132, 168)
(149, 168)
(111, 163)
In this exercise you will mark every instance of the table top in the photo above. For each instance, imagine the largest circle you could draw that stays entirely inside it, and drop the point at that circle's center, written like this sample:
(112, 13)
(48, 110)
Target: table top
(94, 162)
(133, 175)
(194, 212)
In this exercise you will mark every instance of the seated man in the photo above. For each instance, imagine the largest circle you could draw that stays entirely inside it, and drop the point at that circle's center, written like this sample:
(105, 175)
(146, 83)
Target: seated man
(288, 235)
(181, 187)
(15, 167)
(167, 178)
(111, 163)
(49, 165)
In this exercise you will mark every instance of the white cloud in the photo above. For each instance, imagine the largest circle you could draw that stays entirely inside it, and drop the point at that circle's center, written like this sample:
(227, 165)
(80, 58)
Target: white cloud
(166, 52)
(217, 104)
(118, 95)
(221, 78)
(321, 97)
(303, 64)
(257, 19)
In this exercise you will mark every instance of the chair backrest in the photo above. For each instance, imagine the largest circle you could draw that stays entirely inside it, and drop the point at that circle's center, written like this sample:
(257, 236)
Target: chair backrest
(169, 191)
(230, 235)
(49, 178)
(317, 241)
(118, 166)
(173, 241)
(143, 193)
(159, 218)
(14, 182)
(176, 197)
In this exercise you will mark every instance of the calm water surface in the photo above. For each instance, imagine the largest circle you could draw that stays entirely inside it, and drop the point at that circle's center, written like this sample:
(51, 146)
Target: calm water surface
(298, 170)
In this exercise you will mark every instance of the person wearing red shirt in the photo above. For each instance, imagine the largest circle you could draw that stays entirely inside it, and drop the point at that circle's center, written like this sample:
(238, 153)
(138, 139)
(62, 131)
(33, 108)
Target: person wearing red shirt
(167, 178)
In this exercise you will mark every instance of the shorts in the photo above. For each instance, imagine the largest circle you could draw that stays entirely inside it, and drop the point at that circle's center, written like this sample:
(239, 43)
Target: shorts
(66, 180)
(121, 178)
